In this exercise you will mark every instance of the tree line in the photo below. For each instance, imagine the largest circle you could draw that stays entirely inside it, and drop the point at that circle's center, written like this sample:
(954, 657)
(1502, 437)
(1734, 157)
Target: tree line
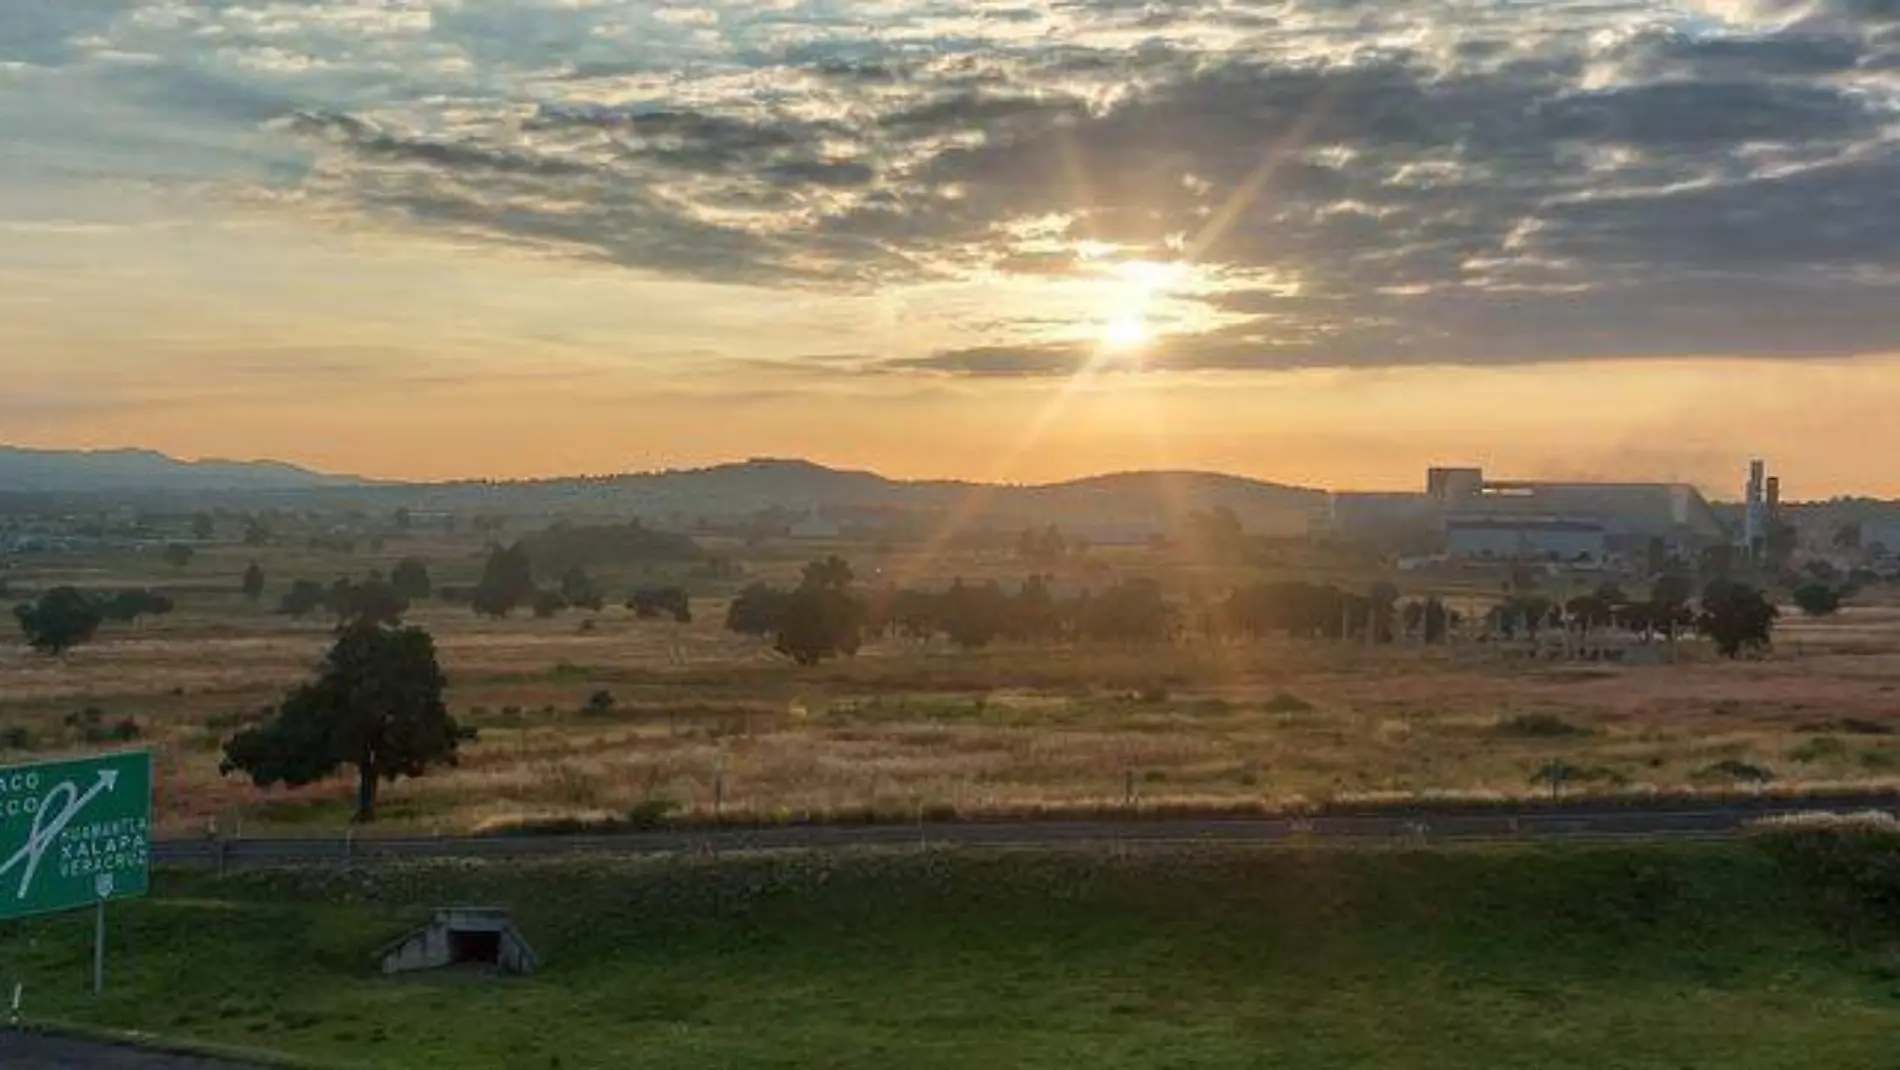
(64, 617)
(824, 616)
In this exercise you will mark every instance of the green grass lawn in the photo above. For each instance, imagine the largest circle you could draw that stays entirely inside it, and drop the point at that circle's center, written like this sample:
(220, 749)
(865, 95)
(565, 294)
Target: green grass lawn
(1534, 958)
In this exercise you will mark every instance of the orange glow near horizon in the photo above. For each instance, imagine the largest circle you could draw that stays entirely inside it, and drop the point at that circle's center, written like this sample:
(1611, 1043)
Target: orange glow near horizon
(1371, 429)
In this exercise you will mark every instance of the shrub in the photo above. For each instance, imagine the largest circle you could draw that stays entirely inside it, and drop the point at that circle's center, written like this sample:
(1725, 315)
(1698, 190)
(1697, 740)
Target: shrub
(1734, 769)
(601, 701)
(16, 737)
(1818, 749)
(1880, 760)
(89, 726)
(1850, 862)
(1817, 599)
(1539, 726)
(650, 813)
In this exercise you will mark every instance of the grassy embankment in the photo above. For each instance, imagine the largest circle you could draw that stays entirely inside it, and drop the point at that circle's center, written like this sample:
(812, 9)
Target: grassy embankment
(1709, 956)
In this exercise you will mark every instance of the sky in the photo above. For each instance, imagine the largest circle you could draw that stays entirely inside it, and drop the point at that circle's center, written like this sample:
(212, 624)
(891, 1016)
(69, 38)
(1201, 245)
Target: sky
(1328, 242)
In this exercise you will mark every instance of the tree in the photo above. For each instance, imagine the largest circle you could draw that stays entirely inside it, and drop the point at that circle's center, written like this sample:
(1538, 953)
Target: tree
(376, 704)
(832, 574)
(579, 590)
(410, 578)
(63, 618)
(128, 606)
(1738, 617)
(756, 611)
(1428, 618)
(400, 519)
(547, 603)
(821, 619)
(256, 532)
(1666, 611)
(649, 603)
(973, 616)
(254, 581)
(202, 527)
(373, 601)
(178, 554)
(507, 582)
(304, 598)
(1817, 599)
(1032, 613)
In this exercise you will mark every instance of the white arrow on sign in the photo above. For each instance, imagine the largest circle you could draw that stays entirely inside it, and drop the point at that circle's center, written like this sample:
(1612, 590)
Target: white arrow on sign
(45, 830)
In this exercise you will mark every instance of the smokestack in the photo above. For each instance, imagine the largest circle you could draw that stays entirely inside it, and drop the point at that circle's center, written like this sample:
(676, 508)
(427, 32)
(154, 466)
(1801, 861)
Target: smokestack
(1774, 499)
(1752, 526)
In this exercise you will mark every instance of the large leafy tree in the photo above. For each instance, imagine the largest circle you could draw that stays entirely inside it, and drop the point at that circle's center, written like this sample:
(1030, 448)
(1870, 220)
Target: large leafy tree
(821, 619)
(1738, 617)
(61, 619)
(376, 704)
(507, 582)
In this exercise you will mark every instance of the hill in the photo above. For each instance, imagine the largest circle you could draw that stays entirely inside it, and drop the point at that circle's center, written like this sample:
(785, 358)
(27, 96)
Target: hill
(1107, 505)
(80, 471)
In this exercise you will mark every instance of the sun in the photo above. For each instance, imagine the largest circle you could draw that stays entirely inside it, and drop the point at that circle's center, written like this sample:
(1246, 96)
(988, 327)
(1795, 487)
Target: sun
(1126, 330)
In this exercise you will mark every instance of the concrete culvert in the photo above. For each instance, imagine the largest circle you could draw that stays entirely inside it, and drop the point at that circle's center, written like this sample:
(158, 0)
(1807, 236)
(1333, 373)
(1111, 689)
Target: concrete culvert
(463, 937)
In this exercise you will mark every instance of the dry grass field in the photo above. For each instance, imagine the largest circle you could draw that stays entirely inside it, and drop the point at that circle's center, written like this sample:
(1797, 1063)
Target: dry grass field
(702, 719)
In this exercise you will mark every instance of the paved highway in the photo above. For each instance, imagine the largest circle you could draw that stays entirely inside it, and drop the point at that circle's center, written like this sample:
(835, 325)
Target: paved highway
(1675, 820)
(35, 1051)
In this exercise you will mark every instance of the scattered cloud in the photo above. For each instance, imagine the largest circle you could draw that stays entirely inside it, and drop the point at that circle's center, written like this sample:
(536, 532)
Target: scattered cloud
(1463, 181)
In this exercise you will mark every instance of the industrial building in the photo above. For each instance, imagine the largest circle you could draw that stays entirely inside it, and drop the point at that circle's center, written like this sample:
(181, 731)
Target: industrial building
(1573, 523)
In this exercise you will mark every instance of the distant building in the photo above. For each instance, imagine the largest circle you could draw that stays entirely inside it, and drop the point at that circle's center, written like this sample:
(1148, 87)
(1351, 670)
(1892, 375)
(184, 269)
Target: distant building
(1535, 520)
(1366, 511)
(1880, 538)
(1556, 539)
(1630, 514)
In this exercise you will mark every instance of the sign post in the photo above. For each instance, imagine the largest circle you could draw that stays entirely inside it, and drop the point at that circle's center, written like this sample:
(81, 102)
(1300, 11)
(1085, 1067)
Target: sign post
(75, 834)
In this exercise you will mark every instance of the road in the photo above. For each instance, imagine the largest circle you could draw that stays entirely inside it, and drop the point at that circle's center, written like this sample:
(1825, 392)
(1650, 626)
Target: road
(35, 1051)
(1679, 820)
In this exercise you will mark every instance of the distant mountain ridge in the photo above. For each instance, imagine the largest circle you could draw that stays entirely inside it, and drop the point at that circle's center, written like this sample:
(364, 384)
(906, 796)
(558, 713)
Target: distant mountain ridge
(1125, 502)
(80, 471)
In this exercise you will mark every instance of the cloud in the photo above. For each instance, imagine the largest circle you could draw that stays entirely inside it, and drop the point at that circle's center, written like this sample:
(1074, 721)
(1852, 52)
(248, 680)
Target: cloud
(1459, 180)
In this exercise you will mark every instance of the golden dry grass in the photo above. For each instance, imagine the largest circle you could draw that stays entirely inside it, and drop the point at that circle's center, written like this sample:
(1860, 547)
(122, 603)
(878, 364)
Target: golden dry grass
(705, 718)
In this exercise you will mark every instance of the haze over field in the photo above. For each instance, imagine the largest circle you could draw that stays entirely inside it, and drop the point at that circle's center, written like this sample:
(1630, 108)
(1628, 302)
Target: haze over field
(1315, 241)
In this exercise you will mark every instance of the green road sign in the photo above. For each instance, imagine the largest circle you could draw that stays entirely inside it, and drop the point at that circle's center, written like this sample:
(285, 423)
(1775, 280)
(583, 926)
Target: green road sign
(74, 833)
